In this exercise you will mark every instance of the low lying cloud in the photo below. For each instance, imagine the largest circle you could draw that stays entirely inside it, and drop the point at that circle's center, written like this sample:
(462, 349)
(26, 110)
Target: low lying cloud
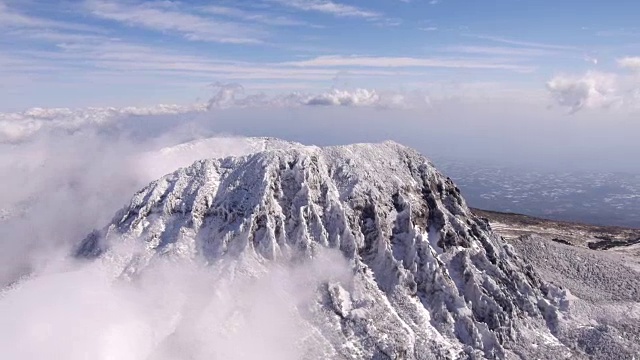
(234, 96)
(360, 97)
(173, 309)
(592, 90)
(597, 90)
(15, 127)
(18, 126)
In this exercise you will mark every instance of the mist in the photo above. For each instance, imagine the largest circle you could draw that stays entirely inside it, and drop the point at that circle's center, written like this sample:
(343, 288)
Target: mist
(172, 310)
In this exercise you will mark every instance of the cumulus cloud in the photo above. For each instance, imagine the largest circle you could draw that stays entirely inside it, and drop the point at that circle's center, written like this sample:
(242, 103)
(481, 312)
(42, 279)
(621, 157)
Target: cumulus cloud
(234, 96)
(360, 97)
(596, 90)
(592, 90)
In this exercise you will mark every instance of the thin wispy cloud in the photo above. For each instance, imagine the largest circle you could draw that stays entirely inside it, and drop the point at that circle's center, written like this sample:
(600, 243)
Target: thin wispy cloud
(499, 50)
(107, 48)
(56, 36)
(528, 44)
(399, 62)
(330, 7)
(253, 16)
(617, 33)
(168, 19)
(141, 60)
(12, 18)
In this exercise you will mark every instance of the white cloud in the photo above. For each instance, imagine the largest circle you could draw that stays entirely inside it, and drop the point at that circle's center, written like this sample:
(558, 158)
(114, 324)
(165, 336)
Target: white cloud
(139, 61)
(13, 19)
(359, 97)
(394, 62)
(175, 309)
(499, 50)
(631, 63)
(244, 15)
(591, 90)
(233, 96)
(330, 7)
(57, 36)
(599, 90)
(529, 44)
(155, 16)
(18, 126)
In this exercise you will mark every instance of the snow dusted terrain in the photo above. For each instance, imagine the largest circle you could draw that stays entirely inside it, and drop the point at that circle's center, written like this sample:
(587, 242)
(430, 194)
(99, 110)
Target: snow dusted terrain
(426, 278)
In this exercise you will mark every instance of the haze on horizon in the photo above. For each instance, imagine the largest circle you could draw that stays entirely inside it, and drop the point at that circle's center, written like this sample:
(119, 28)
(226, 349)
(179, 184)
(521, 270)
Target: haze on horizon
(539, 84)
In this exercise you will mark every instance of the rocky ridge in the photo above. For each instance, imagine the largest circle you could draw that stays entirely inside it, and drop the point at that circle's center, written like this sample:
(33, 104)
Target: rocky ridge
(430, 279)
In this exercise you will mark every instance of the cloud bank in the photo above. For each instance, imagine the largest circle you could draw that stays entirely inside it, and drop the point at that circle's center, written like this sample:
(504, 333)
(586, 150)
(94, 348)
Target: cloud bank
(233, 96)
(18, 126)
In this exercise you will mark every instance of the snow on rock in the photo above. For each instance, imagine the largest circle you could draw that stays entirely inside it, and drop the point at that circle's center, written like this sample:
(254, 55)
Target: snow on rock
(430, 280)
(154, 164)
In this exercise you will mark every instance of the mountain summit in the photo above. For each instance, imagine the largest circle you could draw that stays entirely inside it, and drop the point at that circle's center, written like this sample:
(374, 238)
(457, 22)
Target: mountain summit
(430, 279)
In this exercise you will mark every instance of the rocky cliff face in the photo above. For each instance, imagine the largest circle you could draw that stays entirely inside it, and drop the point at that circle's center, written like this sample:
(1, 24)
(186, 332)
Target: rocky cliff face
(430, 280)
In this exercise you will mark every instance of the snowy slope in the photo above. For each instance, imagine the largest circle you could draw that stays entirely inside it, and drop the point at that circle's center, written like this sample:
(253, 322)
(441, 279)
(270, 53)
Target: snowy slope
(430, 280)
(157, 163)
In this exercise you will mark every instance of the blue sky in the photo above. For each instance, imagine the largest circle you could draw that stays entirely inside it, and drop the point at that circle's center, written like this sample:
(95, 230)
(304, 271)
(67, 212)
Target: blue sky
(131, 52)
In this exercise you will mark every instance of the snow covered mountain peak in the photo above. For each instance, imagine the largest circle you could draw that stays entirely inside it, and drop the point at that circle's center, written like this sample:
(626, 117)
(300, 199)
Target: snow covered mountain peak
(430, 280)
